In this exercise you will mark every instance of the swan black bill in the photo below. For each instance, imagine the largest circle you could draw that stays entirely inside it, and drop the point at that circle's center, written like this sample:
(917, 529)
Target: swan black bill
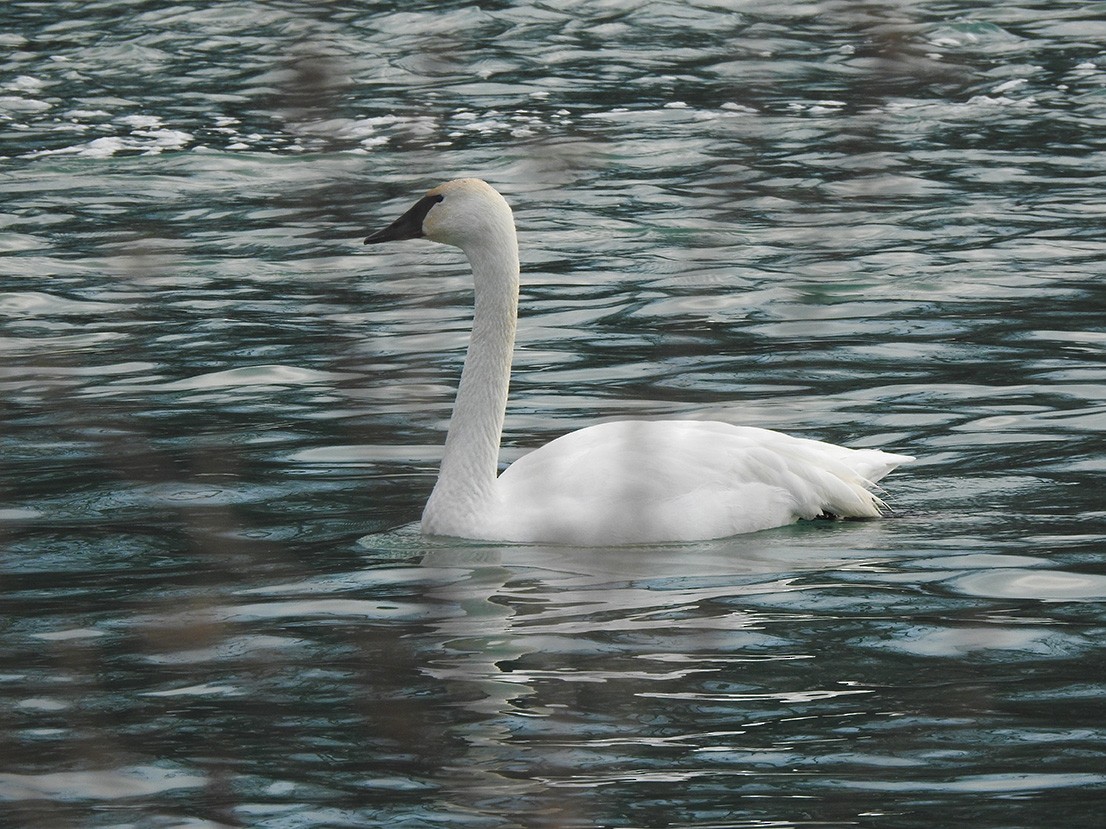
(407, 226)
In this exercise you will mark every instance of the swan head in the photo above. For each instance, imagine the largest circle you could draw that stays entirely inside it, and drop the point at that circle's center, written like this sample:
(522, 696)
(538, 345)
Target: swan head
(464, 213)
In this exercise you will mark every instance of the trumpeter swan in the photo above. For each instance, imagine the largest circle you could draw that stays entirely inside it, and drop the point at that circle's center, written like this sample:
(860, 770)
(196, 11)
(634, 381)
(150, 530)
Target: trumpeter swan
(625, 482)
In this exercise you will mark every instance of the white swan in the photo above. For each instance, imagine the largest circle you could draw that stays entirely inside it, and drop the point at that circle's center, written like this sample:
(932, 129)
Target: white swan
(626, 482)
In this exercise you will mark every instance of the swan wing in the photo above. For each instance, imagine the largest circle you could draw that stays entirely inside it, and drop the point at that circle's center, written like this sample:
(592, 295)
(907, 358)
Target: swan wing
(642, 481)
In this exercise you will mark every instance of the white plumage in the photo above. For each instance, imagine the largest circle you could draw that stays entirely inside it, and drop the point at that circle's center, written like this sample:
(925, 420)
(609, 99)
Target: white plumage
(624, 482)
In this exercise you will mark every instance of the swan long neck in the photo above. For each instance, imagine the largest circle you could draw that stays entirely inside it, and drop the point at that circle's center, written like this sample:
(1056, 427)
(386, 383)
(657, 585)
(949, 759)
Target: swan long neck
(466, 480)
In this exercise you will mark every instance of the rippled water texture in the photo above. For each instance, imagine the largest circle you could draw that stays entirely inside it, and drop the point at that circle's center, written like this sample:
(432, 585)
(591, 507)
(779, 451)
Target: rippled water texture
(879, 223)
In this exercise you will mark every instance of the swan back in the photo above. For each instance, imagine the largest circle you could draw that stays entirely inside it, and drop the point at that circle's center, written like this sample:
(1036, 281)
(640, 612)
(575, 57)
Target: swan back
(643, 482)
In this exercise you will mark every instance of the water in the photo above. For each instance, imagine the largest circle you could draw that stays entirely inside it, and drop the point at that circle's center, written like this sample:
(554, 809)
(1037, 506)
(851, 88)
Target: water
(875, 223)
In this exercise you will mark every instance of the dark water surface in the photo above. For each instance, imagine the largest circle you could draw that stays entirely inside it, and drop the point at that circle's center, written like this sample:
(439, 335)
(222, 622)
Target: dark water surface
(882, 224)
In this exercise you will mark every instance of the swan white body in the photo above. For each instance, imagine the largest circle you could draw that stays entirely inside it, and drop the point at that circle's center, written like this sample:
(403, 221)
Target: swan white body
(624, 482)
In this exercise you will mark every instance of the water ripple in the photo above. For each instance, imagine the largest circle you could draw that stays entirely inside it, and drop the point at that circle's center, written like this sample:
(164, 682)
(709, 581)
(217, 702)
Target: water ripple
(875, 224)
